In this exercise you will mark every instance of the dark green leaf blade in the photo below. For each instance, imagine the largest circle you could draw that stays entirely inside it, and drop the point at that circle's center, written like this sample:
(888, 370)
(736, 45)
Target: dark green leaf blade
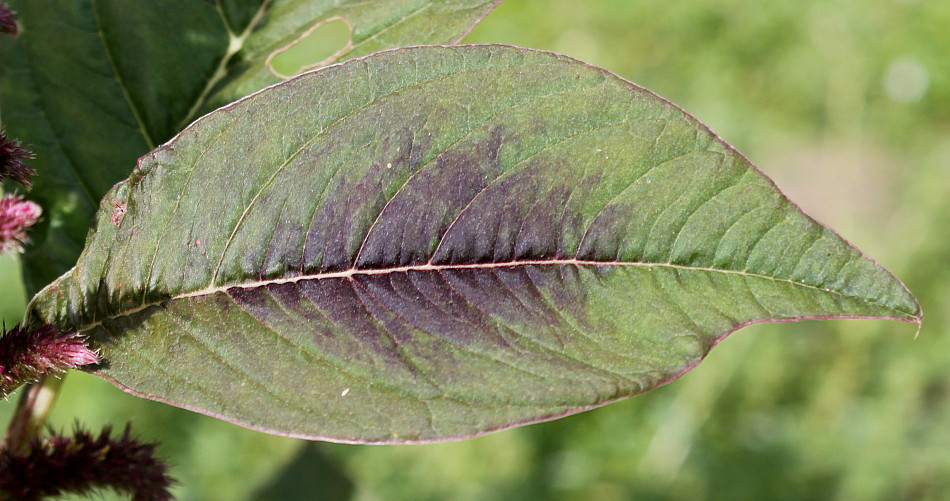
(93, 85)
(431, 243)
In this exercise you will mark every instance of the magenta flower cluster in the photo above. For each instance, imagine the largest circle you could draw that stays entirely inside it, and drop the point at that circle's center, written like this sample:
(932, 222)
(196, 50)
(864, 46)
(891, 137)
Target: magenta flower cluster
(28, 354)
(16, 216)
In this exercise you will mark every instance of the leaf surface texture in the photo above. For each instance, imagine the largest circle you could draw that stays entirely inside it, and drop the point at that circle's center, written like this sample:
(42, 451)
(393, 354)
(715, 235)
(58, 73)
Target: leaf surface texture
(431, 243)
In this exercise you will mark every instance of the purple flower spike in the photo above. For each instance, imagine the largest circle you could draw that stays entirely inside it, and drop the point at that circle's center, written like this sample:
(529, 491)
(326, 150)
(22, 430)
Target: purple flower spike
(27, 354)
(79, 464)
(16, 215)
(11, 154)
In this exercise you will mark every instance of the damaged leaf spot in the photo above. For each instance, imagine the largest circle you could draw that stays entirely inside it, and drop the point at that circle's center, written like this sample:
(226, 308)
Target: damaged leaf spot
(118, 212)
(322, 44)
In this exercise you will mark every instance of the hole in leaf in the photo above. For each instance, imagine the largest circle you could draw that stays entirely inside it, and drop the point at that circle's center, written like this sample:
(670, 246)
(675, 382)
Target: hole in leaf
(319, 46)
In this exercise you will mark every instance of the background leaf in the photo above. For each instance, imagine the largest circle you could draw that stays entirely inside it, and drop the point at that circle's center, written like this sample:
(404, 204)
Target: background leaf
(466, 239)
(95, 84)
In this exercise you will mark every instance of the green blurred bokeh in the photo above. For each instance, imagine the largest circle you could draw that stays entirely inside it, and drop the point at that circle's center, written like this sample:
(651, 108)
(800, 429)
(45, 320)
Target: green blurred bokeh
(846, 104)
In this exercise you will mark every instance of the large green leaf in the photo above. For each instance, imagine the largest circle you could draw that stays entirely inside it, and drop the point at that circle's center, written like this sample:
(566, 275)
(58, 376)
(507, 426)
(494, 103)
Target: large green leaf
(431, 243)
(94, 84)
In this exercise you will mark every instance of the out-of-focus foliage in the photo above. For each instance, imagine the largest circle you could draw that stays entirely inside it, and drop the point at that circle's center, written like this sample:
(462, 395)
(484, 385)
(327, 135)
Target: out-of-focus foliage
(846, 104)
(11, 300)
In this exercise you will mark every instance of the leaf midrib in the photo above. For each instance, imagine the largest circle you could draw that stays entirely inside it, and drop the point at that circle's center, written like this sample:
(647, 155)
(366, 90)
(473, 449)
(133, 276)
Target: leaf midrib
(353, 272)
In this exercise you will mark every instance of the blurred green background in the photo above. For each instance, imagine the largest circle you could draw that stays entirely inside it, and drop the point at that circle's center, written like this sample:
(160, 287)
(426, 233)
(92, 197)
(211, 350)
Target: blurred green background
(846, 104)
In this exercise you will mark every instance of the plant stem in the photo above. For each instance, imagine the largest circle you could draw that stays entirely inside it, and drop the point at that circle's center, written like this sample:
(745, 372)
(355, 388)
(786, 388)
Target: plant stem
(34, 406)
